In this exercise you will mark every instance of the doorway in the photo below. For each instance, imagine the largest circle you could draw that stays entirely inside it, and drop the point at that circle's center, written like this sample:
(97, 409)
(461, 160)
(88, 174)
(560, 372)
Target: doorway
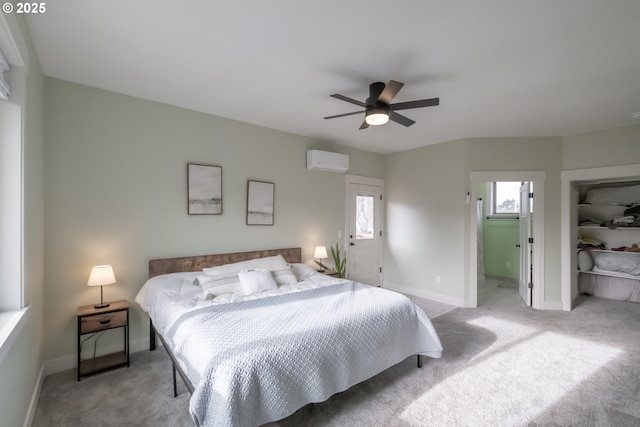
(505, 224)
(364, 229)
(535, 247)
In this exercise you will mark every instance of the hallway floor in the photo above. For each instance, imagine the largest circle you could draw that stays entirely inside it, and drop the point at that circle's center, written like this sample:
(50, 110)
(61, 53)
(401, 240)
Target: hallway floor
(499, 292)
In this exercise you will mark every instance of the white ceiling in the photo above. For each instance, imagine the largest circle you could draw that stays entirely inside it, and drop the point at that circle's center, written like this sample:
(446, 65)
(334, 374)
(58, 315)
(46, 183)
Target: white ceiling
(501, 68)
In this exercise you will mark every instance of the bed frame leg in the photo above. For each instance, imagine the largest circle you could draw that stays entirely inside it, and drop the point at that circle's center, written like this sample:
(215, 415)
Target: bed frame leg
(152, 336)
(419, 361)
(175, 385)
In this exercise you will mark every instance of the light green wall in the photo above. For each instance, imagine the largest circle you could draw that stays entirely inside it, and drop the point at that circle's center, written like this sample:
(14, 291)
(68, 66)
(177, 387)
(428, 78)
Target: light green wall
(116, 194)
(501, 256)
(20, 367)
(499, 243)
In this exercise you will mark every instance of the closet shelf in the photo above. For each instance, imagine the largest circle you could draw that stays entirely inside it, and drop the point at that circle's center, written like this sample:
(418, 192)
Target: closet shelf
(581, 205)
(600, 227)
(631, 257)
(610, 274)
(615, 252)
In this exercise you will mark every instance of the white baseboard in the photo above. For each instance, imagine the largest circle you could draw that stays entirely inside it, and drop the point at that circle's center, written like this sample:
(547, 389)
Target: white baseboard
(35, 396)
(70, 361)
(423, 293)
(553, 305)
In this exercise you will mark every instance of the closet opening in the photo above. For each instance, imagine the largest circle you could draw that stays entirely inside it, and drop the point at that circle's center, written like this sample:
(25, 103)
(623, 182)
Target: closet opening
(601, 233)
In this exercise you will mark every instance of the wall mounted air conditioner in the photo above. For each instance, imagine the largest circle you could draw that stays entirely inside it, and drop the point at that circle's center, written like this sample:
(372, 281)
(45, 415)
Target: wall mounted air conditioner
(327, 161)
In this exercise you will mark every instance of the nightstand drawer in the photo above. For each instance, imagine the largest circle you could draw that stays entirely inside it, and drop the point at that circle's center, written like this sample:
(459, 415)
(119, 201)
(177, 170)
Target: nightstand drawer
(101, 322)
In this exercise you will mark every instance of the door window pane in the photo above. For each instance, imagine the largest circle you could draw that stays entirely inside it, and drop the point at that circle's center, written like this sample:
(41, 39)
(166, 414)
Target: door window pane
(364, 217)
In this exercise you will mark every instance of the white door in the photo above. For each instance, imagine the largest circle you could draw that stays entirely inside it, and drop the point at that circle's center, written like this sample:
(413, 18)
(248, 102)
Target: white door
(526, 243)
(364, 234)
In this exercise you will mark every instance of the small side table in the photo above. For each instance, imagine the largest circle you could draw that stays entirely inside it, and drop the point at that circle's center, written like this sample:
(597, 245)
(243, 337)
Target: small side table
(331, 273)
(90, 320)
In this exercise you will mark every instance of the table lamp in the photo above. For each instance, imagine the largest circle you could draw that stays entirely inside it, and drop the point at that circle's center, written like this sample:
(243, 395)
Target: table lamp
(101, 275)
(320, 253)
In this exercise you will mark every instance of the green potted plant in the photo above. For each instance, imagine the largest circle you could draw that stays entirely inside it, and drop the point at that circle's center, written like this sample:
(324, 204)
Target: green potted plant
(339, 262)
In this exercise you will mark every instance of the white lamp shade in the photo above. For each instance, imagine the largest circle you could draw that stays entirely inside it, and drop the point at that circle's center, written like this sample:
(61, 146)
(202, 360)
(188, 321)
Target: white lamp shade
(101, 275)
(320, 252)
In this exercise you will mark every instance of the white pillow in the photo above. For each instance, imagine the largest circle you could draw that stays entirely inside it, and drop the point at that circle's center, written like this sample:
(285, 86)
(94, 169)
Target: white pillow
(303, 271)
(585, 262)
(220, 284)
(284, 276)
(258, 280)
(268, 263)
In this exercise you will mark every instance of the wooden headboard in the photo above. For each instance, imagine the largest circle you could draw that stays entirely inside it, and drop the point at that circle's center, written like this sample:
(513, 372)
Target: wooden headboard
(198, 262)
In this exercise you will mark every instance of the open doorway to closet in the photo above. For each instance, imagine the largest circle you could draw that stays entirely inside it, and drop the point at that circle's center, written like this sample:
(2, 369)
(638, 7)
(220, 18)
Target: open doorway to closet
(573, 209)
(506, 237)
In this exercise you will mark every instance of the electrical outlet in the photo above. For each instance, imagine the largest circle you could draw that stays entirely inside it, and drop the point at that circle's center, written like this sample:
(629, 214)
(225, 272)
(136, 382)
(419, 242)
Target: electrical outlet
(508, 265)
(437, 280)
(339, 234)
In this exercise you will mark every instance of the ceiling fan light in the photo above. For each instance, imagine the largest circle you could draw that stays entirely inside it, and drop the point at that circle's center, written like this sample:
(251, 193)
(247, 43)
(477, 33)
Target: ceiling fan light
(377, 116)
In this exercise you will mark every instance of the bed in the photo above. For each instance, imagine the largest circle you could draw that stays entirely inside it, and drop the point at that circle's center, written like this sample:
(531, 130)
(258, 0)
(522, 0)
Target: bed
(251, 354)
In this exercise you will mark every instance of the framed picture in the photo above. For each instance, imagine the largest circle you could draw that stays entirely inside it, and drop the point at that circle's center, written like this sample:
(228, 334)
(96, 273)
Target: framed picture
(204, 187)
(260, 202)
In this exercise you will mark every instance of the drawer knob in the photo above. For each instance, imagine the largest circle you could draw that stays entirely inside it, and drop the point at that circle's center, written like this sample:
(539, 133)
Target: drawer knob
(105, 321)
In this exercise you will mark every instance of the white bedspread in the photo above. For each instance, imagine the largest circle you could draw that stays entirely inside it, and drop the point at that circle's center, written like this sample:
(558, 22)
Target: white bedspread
(260, 360)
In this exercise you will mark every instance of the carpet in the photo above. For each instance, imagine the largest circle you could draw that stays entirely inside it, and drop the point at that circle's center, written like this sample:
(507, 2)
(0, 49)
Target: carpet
(141, 395)
(502, 366)
(507, 367)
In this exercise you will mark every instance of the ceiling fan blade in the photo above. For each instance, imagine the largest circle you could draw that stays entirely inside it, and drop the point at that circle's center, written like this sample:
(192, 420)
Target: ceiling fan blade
(343, 115)
(398, 118)
(390, 91)
(364, 125)
(415, 104)
(347, 99)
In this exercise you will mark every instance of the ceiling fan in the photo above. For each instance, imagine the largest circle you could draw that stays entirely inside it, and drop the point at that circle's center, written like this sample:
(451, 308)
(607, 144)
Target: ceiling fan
(378, 108)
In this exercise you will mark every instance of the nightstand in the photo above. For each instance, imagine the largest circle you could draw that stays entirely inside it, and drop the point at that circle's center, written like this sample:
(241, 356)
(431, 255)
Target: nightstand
(331, 273)
(91, 320)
